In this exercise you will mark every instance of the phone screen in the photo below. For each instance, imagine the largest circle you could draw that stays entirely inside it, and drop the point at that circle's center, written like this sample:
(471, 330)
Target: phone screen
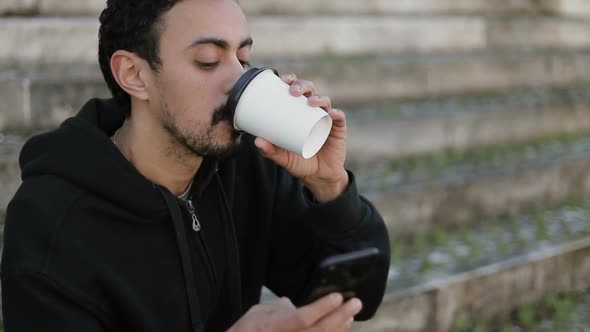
(341, 273)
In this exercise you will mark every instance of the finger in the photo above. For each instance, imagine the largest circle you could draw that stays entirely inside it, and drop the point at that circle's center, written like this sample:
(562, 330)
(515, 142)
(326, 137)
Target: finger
(320, 101)
(281, 157)
(302, 88)
(289, 78)
(338, 123)
(339, 318)
(308, 315)
(348, 324)
(265, 146)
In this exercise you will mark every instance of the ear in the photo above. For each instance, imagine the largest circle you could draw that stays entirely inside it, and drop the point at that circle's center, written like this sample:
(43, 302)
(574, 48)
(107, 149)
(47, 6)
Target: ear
(126, 68)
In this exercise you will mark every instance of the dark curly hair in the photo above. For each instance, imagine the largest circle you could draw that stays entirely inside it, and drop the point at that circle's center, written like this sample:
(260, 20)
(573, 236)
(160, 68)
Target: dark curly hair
(134, 26)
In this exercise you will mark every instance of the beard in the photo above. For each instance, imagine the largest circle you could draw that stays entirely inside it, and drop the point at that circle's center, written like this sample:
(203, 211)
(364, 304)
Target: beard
(202, 144)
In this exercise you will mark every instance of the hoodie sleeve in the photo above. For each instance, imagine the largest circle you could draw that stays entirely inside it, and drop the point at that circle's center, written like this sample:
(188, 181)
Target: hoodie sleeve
(304, 233)
(32, 302)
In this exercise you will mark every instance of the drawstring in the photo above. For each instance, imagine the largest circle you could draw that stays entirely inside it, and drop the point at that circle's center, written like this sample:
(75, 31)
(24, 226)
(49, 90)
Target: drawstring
(234, 271)
(189, 278)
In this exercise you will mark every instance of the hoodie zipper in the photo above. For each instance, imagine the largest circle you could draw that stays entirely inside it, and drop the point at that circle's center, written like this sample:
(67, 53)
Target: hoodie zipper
(191, 210)
(201, 241)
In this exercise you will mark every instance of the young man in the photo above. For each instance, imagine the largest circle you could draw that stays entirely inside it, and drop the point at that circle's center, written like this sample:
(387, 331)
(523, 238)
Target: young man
(149, 212)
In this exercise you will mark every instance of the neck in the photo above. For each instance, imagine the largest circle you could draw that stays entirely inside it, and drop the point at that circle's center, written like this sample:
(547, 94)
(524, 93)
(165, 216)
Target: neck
(156, 155)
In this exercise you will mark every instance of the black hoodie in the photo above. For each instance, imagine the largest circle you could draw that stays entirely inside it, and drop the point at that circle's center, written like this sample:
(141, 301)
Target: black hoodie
(92, 245)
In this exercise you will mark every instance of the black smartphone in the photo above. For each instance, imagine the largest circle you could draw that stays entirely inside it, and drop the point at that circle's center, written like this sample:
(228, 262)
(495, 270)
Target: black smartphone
(342, 274)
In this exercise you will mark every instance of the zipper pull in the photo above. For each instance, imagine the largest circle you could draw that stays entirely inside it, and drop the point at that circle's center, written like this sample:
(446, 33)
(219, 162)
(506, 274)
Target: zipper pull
(191, 210)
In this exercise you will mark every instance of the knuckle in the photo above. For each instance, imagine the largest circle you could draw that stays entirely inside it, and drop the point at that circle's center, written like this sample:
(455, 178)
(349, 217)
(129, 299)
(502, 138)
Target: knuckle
(303, 320)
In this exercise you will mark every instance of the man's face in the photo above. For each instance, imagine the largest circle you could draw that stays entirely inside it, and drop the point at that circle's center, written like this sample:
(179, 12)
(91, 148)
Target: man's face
(204, 47)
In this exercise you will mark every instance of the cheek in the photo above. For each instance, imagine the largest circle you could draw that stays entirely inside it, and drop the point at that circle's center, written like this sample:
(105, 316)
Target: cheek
(190, 92)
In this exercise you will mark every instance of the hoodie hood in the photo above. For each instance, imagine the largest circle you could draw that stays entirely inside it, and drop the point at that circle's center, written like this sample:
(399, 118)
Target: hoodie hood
(92, 161)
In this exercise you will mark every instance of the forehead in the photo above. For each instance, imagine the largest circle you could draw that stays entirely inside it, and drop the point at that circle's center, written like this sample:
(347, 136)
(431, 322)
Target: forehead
(189, 20)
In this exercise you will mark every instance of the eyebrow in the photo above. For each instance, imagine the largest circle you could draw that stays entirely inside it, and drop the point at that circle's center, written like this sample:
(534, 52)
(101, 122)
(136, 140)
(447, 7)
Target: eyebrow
(220, 42)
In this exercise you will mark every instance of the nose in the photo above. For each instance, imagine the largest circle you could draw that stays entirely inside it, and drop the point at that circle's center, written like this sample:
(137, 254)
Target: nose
(234, 74)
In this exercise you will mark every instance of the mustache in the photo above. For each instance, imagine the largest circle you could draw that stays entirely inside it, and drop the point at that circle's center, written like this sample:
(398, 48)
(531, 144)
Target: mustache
(221, 113)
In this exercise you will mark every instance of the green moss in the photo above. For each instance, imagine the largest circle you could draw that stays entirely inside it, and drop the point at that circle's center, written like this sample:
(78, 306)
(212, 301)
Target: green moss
(493, 229)
(541, 226)
(441, 238)
(481, 327)
(420, 243)
(462, 322)
(397, 253)
(558, 309)
(432, 166)
(526, 315)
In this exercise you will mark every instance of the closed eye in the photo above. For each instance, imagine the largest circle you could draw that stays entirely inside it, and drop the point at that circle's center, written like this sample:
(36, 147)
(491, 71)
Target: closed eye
(207, 65)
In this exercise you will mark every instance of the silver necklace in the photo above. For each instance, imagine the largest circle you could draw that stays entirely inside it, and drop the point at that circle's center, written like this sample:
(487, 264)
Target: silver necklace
(114, 137)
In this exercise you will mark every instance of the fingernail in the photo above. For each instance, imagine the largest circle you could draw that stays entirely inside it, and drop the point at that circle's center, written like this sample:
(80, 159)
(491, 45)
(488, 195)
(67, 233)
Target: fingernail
(296, 86)
(335, 297)
(355, 304)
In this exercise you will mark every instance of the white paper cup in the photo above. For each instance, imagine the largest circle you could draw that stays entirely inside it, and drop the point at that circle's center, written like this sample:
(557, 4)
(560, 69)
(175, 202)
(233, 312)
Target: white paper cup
(264, 107)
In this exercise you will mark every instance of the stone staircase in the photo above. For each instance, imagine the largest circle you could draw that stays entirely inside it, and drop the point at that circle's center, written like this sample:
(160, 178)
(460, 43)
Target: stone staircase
(463, 115)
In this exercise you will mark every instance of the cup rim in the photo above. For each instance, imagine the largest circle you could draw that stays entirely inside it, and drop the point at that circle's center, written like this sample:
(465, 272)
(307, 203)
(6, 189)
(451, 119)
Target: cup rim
(240, 86)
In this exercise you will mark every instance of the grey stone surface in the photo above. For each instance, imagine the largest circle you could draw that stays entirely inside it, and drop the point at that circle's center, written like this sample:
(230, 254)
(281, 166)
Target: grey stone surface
(40, 103)
(14, 108)
(489, 295)
(383, 7)
(581, 270)
(374, 78)
(404, 314)
(484, 292)
(74, 39)
(538, 33)
(48, 40)
(370, 142)
(10, 147)
(17, 6)
(573, 8)
(65, 40)
(415, 209)
(52, 101)
(71, 7)
(293, 37)
(386, 6)
(9, 181)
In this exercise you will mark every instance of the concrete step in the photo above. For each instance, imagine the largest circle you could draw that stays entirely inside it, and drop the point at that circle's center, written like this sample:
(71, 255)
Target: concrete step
(74, 40)
(421, 195)
(578, 8)
(42, 97)
(307, 7)
(485, 291)
(370, 78)
(402, 128)
(10, 147)
(564, 311)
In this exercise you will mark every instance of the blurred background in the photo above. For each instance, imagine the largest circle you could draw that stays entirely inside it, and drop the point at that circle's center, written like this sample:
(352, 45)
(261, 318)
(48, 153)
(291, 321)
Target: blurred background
(469, 128)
